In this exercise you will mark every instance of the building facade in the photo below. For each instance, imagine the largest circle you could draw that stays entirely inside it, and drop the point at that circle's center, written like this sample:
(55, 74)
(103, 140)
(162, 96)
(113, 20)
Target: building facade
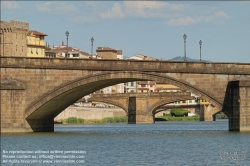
(35, 44)
(64, 51)
(146, 86)
(13, 38)
(109, 53)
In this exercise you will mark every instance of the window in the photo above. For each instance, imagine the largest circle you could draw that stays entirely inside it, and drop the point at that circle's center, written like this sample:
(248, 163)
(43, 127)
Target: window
(36, 50)
(190, 101)
(196, 100)
(75, 55)
(132, 83)
(31, 50)
(183, 101)
(41, 37)
(143, 85)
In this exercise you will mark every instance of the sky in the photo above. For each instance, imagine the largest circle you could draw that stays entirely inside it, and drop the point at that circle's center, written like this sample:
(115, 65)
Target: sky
(151, 28)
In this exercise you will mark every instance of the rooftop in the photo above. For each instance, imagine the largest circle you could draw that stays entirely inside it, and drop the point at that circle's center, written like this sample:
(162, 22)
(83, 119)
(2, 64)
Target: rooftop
(33, 32)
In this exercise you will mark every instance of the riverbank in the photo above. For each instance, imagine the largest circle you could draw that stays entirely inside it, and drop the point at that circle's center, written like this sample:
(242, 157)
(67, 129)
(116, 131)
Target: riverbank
(74, 120)
(122, 119)
(169, 118)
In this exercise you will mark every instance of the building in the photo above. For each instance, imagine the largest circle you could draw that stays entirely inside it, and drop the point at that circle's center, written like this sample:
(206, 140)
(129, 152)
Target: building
(146, 86)
(141, 57)
(50, 53)
(130, 87)
(13, 38)
(35, 44)
(17, 40)
(61, 51)
(109, 53)
(161, 87)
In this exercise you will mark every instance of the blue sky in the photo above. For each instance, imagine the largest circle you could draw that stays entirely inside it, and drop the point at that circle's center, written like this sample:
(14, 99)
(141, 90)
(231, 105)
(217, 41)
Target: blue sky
(152, 28)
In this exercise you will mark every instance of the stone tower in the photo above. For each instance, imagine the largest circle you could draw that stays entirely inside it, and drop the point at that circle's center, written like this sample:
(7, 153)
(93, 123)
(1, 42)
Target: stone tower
(13, 38)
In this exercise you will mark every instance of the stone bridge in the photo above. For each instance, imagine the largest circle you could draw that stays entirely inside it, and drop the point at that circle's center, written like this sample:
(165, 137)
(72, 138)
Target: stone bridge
(35, 90)
(141, 107)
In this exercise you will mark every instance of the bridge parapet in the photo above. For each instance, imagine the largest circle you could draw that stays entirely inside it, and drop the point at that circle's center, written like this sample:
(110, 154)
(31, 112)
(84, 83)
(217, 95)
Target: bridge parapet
(125, 65)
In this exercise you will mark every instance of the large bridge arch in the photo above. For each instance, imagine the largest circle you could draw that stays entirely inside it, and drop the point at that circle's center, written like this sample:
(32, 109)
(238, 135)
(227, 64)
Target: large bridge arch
(53, 102)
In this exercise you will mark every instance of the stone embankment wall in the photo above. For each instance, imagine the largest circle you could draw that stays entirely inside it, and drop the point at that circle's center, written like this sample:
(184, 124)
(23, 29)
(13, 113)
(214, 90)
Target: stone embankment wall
(90, 113)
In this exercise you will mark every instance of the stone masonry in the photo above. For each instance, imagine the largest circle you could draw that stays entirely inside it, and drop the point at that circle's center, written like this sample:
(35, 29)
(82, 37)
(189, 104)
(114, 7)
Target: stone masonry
(41, 88)
(237, 102)
(13, 38)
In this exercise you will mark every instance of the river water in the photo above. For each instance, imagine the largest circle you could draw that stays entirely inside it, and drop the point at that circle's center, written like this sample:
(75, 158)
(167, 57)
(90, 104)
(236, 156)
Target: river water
(120, 144)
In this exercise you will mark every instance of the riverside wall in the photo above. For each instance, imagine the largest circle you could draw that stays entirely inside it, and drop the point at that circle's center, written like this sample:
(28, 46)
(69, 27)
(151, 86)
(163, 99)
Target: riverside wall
(89, 113)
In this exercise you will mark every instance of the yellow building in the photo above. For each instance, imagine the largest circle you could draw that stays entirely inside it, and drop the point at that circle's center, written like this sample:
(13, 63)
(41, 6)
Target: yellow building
(204, 102)
(35, 44)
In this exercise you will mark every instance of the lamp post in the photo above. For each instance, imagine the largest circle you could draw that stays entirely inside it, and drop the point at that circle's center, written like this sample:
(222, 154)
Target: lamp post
(185, 37)
(92, 40)
(67, 34)
(200, 42)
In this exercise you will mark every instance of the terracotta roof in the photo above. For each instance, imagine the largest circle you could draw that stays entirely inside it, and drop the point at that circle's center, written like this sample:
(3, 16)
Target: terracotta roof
(119, 52)
(64, 49)
(105, 49)
(142, 57)
(68, 49)
(33, 32)
(52, 51)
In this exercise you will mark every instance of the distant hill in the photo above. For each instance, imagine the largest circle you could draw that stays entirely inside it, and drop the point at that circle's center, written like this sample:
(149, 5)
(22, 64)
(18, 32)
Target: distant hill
(180, 58)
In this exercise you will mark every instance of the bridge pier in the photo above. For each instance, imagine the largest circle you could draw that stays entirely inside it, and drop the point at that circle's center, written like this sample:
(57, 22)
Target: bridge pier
(138, 112)
(42, 125)
(207, 112)
(238, 105)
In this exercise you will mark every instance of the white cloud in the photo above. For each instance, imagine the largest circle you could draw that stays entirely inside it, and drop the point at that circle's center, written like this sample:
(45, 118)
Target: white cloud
(151, 9)
(222, 14)
(84, 19)
(9, 5)
(114, 12)
(181, 21)
(188, 20)
(56, 8)
(174, 14)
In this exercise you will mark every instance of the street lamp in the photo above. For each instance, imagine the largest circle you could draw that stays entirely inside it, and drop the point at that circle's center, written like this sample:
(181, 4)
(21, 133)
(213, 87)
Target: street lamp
(67, 34)
(200, 42)
(185, 37)
(92, 40)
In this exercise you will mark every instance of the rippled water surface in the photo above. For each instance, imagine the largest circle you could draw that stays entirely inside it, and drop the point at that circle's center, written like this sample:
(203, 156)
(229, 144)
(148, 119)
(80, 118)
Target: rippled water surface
(165, 143)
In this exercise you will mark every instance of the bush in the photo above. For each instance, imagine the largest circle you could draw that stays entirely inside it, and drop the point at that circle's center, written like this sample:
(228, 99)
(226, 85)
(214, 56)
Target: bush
(179, 112)
(114, 119)
(74, 120)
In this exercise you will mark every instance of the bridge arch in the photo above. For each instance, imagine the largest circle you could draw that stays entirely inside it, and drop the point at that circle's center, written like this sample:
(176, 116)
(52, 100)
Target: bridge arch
(52, 103)
(112, 103)
(163, 102)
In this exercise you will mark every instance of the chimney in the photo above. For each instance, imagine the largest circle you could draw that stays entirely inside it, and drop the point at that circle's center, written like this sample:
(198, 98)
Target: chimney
(62, 43)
